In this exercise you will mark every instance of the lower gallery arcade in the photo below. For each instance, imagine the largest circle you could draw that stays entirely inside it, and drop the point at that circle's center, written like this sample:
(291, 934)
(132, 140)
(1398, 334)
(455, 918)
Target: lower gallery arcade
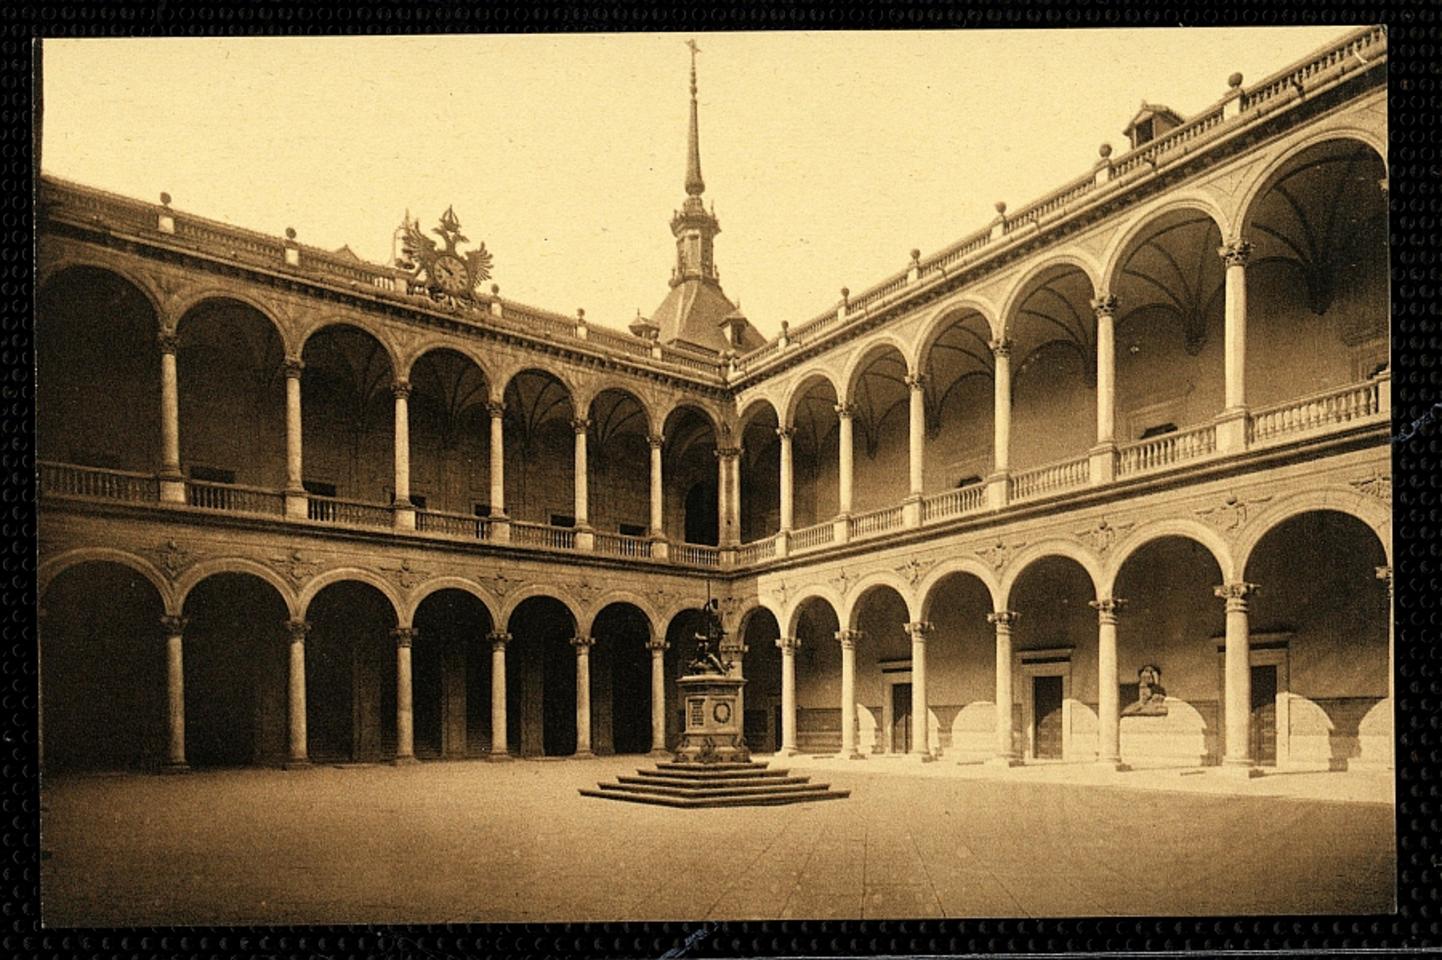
(1286, 664)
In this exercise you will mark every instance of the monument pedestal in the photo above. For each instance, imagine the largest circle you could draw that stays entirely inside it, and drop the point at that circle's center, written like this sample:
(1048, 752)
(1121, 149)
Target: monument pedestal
(712, 705)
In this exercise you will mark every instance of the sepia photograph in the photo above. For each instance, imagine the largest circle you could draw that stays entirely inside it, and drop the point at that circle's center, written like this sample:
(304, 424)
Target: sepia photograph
(429, 534)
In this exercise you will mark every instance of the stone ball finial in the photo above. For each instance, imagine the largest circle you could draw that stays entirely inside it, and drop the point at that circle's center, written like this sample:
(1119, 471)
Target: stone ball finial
(1105, 150)
(1234, 81)
(915, 254)
(580, 313)
(845, 292)
(164, 199)
(290, 233)
(1001, 207)
(495, 289)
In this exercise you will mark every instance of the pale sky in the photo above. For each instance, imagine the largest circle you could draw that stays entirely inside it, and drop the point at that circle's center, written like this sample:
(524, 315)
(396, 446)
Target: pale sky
(828, 156)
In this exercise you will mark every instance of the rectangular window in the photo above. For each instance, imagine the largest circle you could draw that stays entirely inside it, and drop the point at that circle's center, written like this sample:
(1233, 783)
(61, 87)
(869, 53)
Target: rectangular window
(1158, 430)
(211, 474)
(318, 487)
(482, 509)
(631, 529)
(968, 481)
(419, 500)
(562, 520)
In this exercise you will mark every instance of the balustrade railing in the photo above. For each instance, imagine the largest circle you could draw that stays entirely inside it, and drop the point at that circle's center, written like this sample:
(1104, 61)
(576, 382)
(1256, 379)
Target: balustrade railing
(622, 545)
(1052, 478)
(876, 521)
(70, 480)
(350, 513)
(465, 525)
(756, 551)
(1353, 402)
(234, 499)
(1166, 450)
(816, 535)
(953, 503)
(543, 535)
(697, 555)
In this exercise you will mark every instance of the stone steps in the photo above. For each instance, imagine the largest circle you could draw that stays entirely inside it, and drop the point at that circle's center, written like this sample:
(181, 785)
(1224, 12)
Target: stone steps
(714, 785)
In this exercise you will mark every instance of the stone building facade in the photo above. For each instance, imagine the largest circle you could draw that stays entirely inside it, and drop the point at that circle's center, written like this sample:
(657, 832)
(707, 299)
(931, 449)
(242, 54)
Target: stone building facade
(297, 507)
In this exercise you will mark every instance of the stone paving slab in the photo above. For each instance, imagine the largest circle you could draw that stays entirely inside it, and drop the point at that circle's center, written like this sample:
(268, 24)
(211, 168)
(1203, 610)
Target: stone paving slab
(473, 841)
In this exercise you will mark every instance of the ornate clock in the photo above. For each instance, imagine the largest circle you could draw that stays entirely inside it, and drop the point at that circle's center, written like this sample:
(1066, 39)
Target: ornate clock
(443, 273)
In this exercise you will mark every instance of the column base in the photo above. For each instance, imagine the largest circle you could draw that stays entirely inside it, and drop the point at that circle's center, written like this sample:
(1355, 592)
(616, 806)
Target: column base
(585, 537)
(911, 511)
(494, 757)
(300, 764)
(1241, 769)
(853, 755)
(405, 516)
(1003, 762)
(841, 528)
(1232, 430)
(660, 549)
(404, 761)
(500, 529)
(297, 505)
(789, 752)
(926, 757)
(659, 754)
(998, 490)
(1102, 463)
(172, 489)
(583, 755)
(1113, 766)
(181, 767)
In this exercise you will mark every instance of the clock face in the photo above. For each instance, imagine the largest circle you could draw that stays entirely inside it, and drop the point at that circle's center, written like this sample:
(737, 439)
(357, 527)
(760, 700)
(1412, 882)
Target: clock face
(451, 275)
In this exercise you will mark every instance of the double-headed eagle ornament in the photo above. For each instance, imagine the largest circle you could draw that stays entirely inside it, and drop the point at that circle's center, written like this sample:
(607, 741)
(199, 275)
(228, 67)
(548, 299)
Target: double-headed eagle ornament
(443, 273)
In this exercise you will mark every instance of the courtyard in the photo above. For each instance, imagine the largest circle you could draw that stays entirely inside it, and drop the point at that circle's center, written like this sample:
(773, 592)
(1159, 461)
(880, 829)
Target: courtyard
(476, 841)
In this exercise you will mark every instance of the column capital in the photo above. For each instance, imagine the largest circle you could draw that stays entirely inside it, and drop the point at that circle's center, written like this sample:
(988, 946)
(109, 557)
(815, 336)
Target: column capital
(400, 388)
(404, 636)
(168, 341)
(1003, 619)
(1107, 608)
(499, 638)
(1385, 573)
(580, 424)
(583, 643)
(785, 433)
(1104, 305)
(1235, 252)
(496, 408)
(916, 381)
(1000, 347)
(845, 410)
(657, 646)
(918, 629)
(297, 629)
(1235, 593)
(656, 440)
(292, 367)
(172, 625)
(848, 638)
(726, 453)
(788, 644)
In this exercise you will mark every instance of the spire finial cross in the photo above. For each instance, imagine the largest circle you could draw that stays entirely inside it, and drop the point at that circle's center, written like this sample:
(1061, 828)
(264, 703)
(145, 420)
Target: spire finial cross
(694, 50)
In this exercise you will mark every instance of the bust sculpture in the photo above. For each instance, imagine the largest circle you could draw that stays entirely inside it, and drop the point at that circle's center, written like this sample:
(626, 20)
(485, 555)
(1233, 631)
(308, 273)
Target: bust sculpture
(1151, 695)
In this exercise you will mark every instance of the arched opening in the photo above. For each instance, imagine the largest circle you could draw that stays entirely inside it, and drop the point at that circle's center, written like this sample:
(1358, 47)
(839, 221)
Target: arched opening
(960, 405)
(621, 680)
(450, 434)
(232, 397)
(689, 466)
(1054, 663)
(1323, 610)
(350, 674)
(451, 676)
(961, 667)
(760, 473)
(818, 677)
(885, 720)
(1317, 278)
(541, 679)
(1053, 368)
(97, 376)
(880, 434)
(761, 666)
(102, 670)
(348, 417)
(236, 666)
(618, 460)
(816, 453)
(540, 449)
(680, 649)
(1169, 339)
(1174, 623)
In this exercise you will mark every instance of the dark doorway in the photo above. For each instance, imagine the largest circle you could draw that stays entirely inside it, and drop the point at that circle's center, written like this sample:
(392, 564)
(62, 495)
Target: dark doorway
(621, 681)
(450, 668)
(1046, 708)
(350, 674)
(1264, 715)
(901, 718)
(701, 514)
(541, 679)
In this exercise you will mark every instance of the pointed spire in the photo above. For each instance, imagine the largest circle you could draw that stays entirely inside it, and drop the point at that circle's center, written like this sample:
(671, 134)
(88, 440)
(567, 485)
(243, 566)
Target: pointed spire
(695, 186)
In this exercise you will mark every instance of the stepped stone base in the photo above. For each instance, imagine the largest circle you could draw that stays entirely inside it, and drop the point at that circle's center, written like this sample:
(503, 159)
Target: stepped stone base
(695, 785)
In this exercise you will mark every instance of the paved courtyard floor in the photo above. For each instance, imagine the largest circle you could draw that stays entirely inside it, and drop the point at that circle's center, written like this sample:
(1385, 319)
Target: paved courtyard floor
(474, 841)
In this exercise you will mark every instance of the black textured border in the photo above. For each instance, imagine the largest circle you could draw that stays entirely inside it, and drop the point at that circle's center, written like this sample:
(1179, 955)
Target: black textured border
(1415, 174)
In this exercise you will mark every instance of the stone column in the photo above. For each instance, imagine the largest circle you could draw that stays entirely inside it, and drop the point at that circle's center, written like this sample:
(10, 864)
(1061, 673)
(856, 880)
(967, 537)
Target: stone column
(1385, 573)
(848, 639)
(845, 412)
(726, 461)
(789, 646)
(298, 755)
(1004, 620)
(787, 510)
(998, 492)
(1103, 455)
(405, 715)
(405, 512)
(1109, 744)
(583, 694)
(916, 443)
(580, 425)
(1232, 423)
(658, 697)
(1237, 673)
(658, 490)
(920, 708)
(172, 482)
(733, 510)
(174, 629)
(498, 695)
(295, 499)
(497, 410)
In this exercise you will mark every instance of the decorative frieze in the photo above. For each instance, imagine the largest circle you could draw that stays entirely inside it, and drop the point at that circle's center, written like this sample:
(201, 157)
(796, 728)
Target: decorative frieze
(1377, 484)
(1104, 534)
(1232, 513)
(171, 557)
